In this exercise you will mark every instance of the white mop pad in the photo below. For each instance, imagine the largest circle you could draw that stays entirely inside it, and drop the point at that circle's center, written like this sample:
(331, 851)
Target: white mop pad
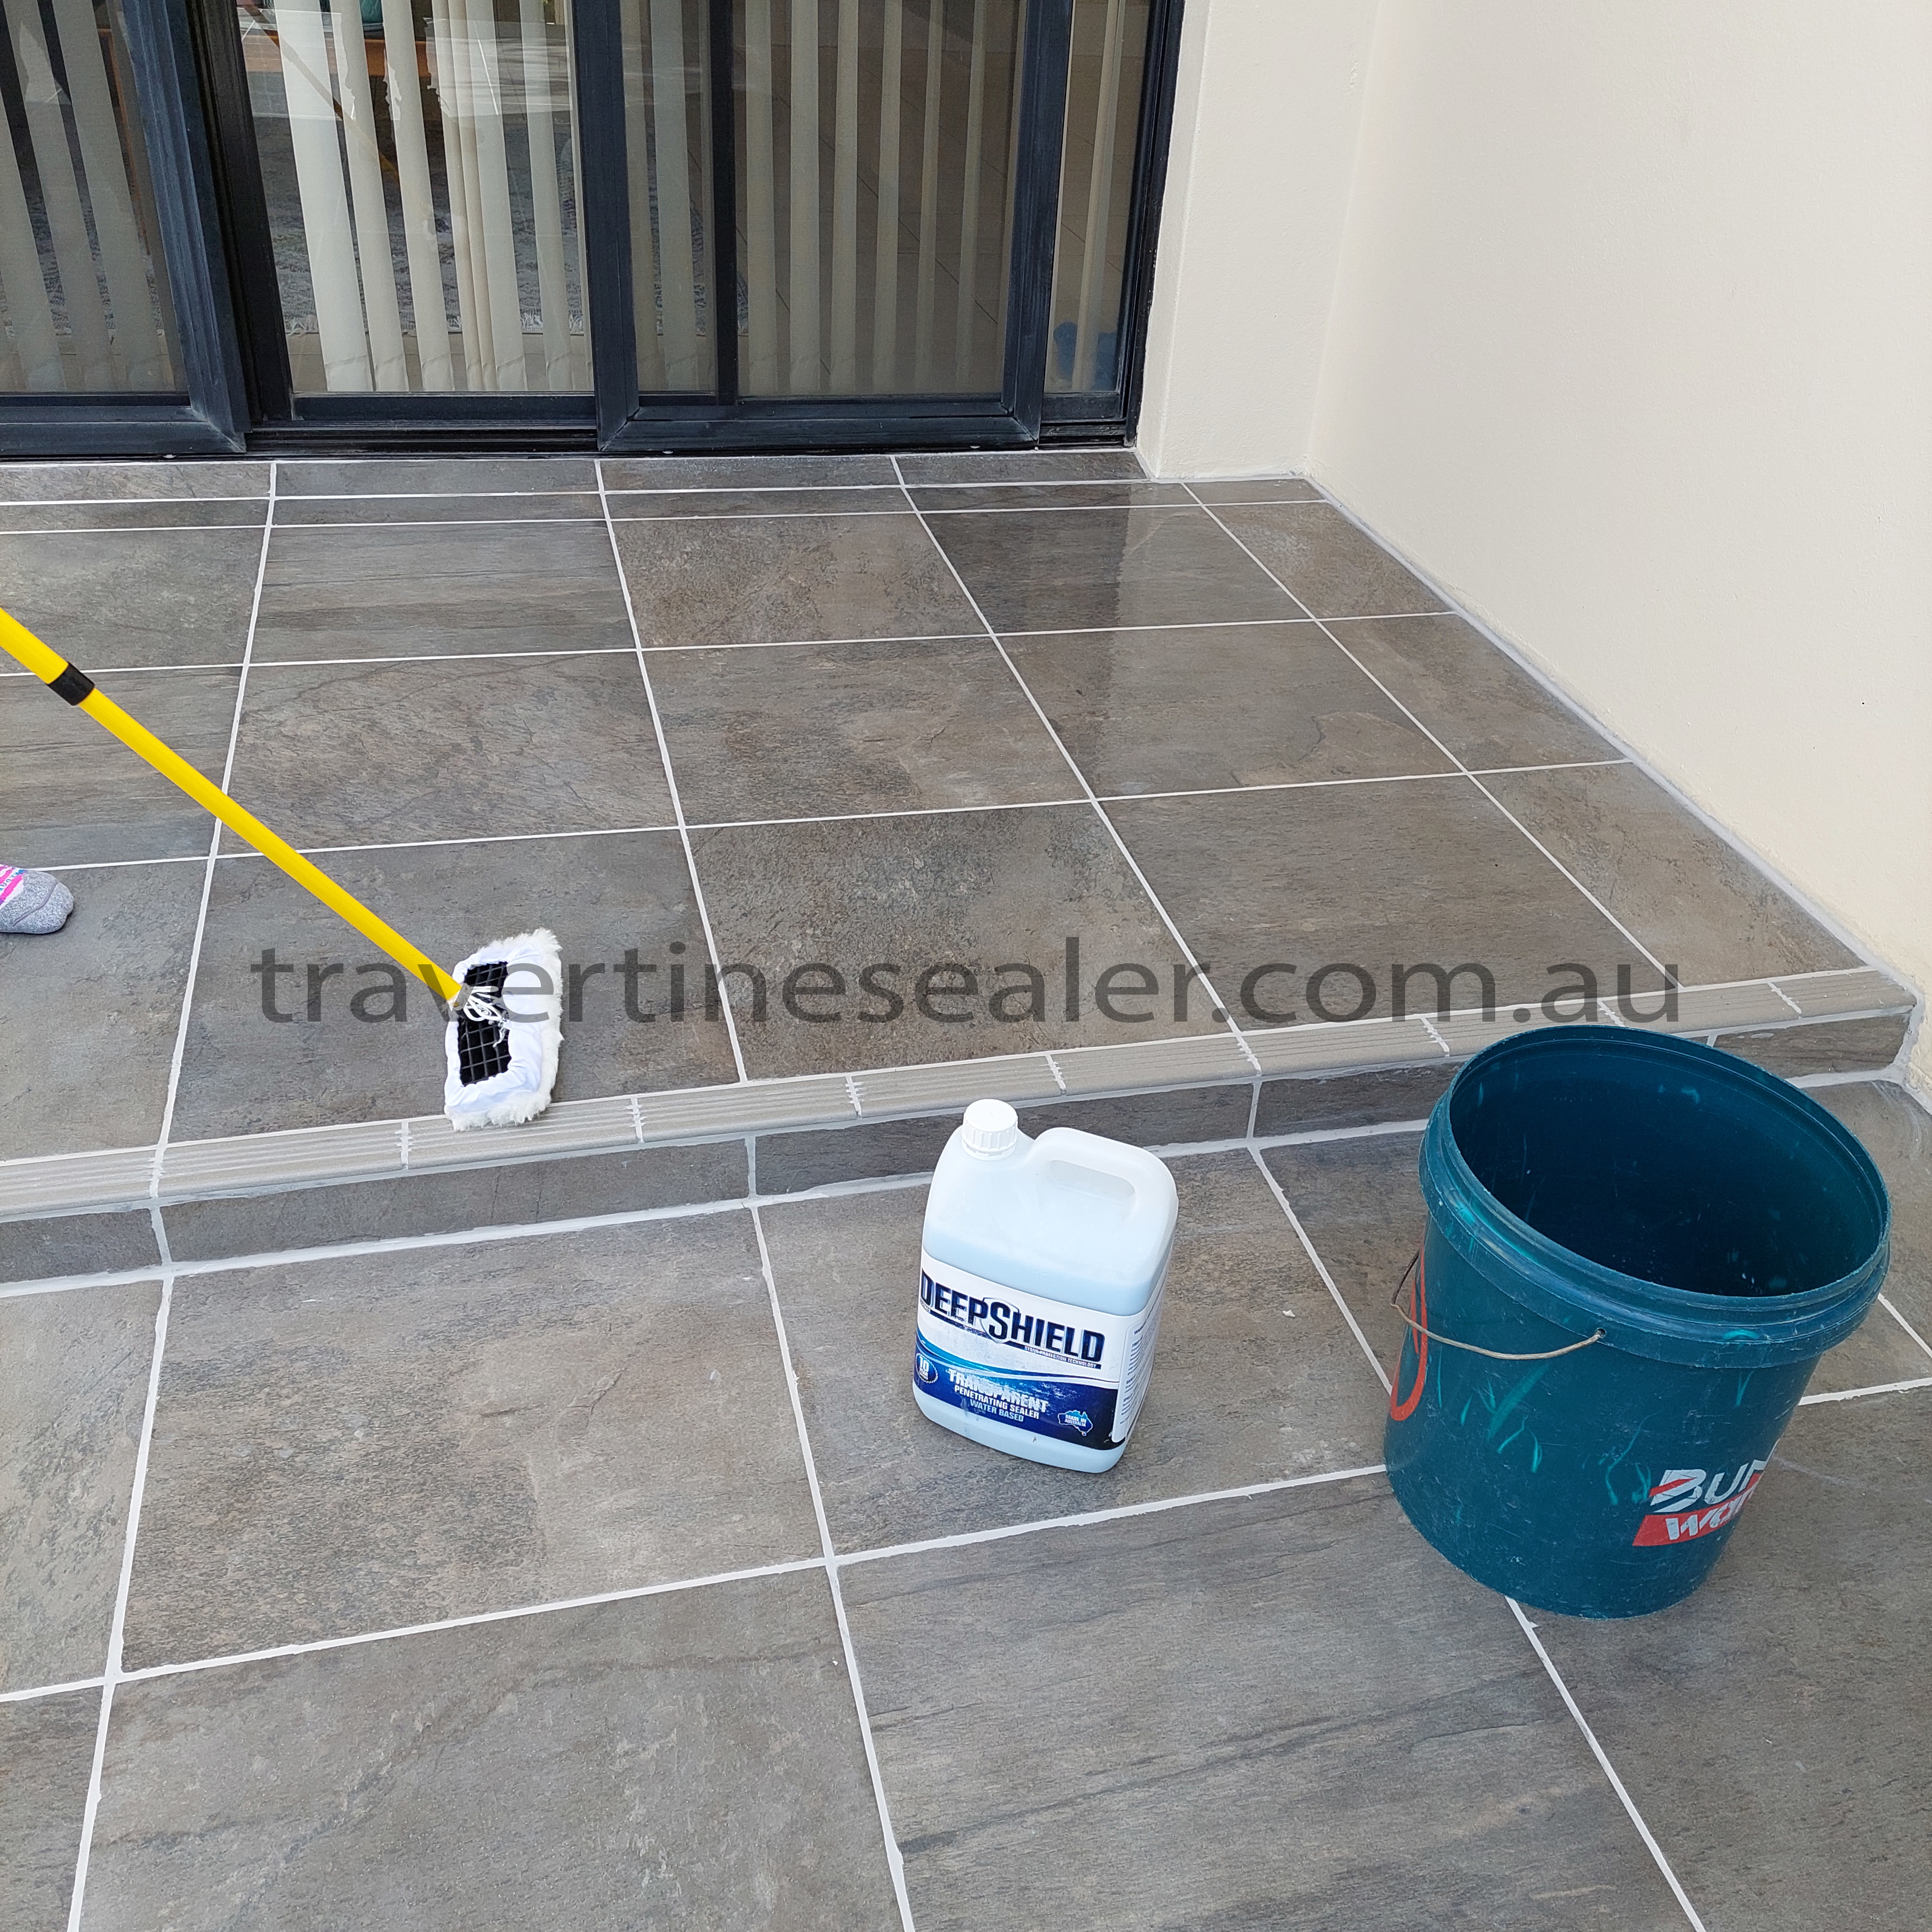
(502, 1041)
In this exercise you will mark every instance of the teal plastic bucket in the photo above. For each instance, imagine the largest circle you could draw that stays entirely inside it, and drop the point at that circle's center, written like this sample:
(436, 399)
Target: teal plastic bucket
(1637, 1250)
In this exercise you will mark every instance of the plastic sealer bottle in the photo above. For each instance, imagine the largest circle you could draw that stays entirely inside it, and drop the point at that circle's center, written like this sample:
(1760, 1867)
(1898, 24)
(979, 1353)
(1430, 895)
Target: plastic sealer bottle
(1040, 1274)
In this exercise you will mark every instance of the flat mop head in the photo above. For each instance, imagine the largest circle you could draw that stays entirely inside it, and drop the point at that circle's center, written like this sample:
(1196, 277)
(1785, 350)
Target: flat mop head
(504, 1031)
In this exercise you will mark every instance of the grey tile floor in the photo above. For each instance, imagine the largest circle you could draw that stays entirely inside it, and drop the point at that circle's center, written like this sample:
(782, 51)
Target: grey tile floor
(608, 1577)
(905, 728)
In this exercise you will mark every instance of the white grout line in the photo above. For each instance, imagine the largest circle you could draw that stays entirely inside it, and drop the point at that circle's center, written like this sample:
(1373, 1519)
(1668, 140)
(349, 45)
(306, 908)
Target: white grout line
(670, 781)
(893, 1860)
(1875, 1388)
(636, 1593)
(1187, 951)
(1088, 1518)
(208, 876)
(50, 1690)
(1885, 1301)
(1444, 748)
(1609, 1770)
(481, 838)
(1321, 1267)
(111, 1672)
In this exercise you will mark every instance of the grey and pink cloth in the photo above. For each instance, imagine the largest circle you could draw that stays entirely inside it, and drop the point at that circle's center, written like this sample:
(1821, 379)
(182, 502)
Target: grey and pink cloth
(32, 901)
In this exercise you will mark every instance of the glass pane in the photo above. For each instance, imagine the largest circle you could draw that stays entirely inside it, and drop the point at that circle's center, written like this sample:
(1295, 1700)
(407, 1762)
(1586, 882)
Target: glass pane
(667, 142)
(83, 289)
(420, 160)
(1096, 178)
(875, 142)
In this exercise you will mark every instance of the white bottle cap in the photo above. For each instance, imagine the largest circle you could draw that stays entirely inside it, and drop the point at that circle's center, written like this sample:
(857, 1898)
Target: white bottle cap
(992, 1129)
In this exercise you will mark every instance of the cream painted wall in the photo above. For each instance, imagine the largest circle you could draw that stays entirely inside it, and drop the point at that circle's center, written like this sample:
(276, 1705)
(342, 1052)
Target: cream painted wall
(1269, 96)
(1631, 350)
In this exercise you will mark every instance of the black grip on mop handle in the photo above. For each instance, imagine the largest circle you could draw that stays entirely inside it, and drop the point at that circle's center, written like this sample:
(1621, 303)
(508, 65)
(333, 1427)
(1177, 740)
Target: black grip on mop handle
(73, 684)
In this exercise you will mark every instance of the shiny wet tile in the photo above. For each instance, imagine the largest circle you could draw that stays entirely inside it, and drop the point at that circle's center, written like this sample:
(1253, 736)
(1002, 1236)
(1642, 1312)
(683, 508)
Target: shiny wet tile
(1331, 566)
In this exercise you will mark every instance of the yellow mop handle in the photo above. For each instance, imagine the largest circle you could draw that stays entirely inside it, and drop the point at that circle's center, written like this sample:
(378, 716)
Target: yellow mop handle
(77, 688)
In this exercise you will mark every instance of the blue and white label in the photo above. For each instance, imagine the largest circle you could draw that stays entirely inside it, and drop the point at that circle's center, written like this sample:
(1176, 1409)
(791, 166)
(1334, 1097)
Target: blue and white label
(1072, 1374)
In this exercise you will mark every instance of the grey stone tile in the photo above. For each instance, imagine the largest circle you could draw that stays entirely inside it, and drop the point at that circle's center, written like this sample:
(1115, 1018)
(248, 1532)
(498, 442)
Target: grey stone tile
(560, 506)
(935, 498)
(452, 590)
(864, 500)
(1836, 1046)
(46, 1755)
(1368, 876)
(245, 1073)
(1083, 570)
(1173, 1118)
(1362, 1206)
(364, 754)
(790, 1163)
(1282, 1712)
(747, 472)
(66, 482)
(1316, 1104)
(820, 728)
(1897, 1134)
(437, 476)
(689, 1759)
(177, 514)
(64, 1244)
(1243, 1390)
(979, 889)
(1191, 710)
(105, 992)
(1771, 1729)
(738, 580)
(1023, 465)
(1329, 565)
(75, 1367)
(1484, 705)
(1256, 489)
(107, 599)
(1693, 900)
(353, 1445)
(75, 795)
(434, 1204)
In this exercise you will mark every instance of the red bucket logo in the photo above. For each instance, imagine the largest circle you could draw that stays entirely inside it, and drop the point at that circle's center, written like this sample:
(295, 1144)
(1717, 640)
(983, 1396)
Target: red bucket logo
(1694, 1503)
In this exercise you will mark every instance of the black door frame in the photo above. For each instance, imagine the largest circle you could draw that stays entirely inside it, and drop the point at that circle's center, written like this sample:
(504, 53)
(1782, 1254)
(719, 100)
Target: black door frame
(188, 63)
(214, 419)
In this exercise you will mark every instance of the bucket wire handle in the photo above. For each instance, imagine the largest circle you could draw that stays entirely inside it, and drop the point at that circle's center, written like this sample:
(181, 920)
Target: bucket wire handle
(1401, 1411)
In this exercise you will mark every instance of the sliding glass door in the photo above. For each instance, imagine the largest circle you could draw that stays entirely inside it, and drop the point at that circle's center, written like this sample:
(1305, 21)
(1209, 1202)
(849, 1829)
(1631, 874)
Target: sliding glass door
(641, 223)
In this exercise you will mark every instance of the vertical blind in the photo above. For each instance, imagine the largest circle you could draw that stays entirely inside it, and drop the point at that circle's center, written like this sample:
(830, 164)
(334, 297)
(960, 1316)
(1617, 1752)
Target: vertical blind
(84, 293)
(420, 160)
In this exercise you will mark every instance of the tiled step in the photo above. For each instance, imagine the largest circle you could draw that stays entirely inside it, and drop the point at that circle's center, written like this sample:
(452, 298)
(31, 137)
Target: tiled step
(261, 1193)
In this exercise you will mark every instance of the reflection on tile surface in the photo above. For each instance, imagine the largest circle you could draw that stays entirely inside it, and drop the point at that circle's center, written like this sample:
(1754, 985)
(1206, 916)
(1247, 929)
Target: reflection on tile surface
(1022, 465)
(973, 891)
(77, 795)
(115, 974)
(1332, 567)
(1897, 1134)
(747, 472)
(1085, 570)
(1286, 1712)
(452, 590)
(105, 599)
(57, 482)
(852, 727)
(46, 1752)
(603, 898)
(1183, 710)
(691, 1760)
(1486, 709)
(1772, 1728)
(1686, 893)
(344, 754)
(437, 475)
(1243, 1391)
(933, 498)
(740, 580)
(1257, 489)
(558, 507)
(1369, 876)
(356, 1445)
(75, 1370)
